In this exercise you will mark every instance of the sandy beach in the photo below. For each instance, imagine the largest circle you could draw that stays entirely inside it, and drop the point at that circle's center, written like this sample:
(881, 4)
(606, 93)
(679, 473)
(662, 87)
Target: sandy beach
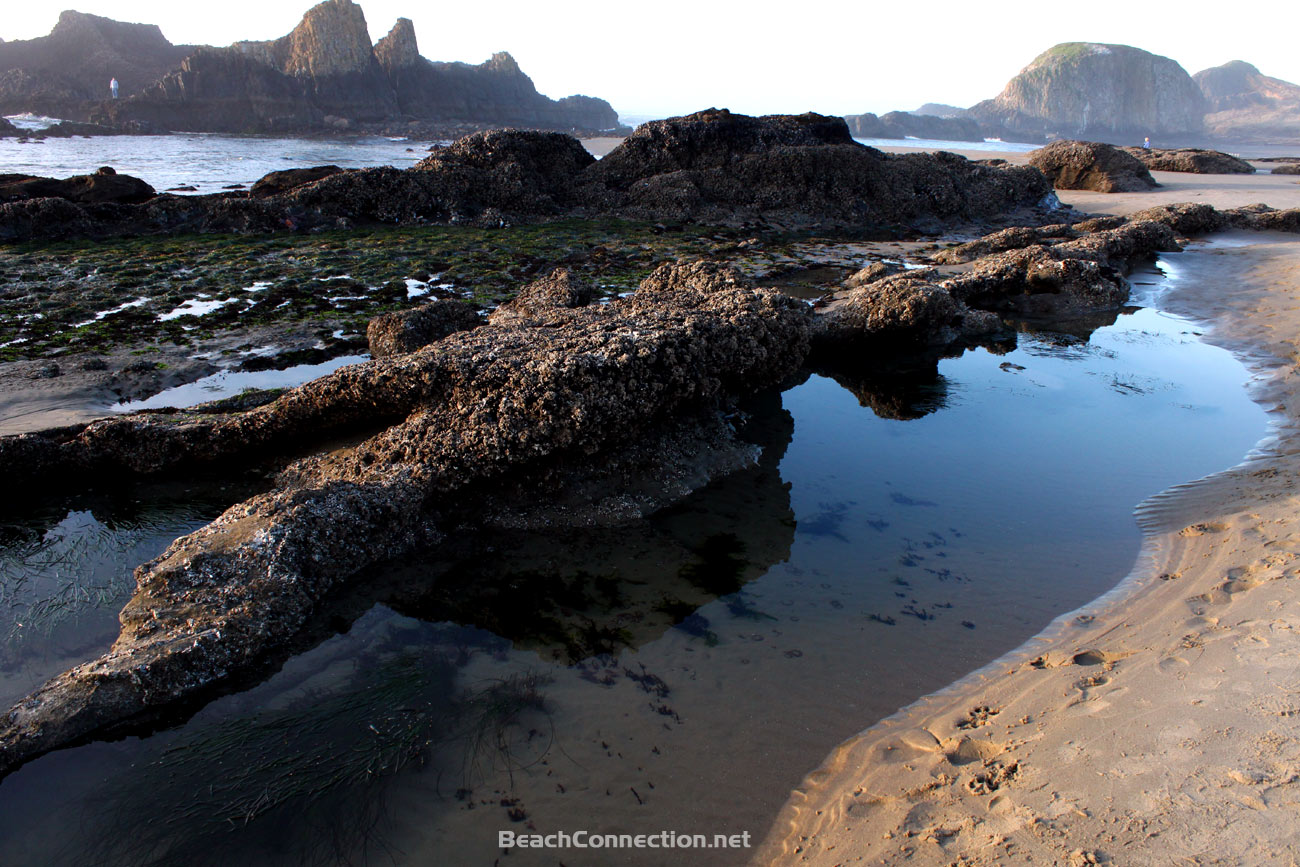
(1160, 724)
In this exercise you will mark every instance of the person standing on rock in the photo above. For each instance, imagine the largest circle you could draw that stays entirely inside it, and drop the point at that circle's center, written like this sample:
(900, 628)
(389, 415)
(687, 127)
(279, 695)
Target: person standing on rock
(113, 86)
(1146, 142)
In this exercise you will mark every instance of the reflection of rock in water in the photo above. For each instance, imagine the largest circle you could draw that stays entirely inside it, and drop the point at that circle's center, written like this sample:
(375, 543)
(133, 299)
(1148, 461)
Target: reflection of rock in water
(1068, 331)
(892, 390)
(907, 387)
(577, 591)
(306, 775)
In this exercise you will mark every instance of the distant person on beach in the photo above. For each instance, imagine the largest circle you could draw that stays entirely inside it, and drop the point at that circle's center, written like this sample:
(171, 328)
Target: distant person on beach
(112, 85)
(1146, 142)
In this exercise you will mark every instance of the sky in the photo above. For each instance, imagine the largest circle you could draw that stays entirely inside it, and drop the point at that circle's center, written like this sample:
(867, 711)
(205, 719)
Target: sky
(759, 57)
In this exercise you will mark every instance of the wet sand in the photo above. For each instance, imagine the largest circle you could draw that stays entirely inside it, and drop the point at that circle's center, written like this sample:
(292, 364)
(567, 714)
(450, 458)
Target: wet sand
(1159, 725)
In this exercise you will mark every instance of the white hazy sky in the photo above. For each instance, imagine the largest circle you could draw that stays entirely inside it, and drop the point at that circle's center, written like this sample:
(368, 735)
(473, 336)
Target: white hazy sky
(758, 57)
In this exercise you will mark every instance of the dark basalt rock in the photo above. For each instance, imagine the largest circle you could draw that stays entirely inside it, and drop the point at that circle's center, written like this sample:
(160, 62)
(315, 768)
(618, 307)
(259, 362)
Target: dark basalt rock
(408, 330)
(1285, 169)
(105, 186)
(798, 171)
(1194, 160)
(712, 139)
(275, 183)
(1086, 165)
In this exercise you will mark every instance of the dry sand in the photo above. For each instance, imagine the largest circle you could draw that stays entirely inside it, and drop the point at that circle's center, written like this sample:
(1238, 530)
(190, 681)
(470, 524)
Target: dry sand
(1160, 725)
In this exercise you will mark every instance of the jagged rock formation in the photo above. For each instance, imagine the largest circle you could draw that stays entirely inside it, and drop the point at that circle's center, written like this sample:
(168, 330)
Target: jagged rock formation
(1245, 104)
(1093, 90)
(1088, 165)
(901, 124)
(74, 64)
(713, 165)
(1194, 160)
(324, 74)
(219, 90)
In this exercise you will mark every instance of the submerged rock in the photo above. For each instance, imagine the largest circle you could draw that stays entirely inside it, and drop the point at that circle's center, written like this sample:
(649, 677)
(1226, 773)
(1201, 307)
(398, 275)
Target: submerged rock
(1089, 165)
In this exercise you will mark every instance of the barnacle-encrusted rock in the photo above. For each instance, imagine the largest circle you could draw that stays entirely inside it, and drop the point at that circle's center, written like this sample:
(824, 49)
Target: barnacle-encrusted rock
(1090, 165)
(560, 290)
(408, 330)
(480, 405)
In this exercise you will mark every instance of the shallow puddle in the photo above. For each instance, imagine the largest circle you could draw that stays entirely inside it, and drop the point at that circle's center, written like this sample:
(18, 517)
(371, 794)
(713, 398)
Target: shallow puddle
(904, 527)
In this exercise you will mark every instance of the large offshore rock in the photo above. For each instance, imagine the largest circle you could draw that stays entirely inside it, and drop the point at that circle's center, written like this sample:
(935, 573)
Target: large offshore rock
(1096, 90)
(1090, 165)
(324, 74)
(1246, 105)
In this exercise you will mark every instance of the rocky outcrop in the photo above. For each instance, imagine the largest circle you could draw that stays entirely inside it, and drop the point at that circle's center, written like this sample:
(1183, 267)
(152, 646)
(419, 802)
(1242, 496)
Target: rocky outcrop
(715, 165)
(219, 90)
(1084, 165)
(1246, 105)
(1194, 160)
(1095, 90)
(220, 602)
(7, 128)
(1285, 169)
(330, 52)
(104, 186)
(793, 170)
(323, 75)
(901, 124)
(76, 61)
(904, 310)
(399, 50)
(405, 331)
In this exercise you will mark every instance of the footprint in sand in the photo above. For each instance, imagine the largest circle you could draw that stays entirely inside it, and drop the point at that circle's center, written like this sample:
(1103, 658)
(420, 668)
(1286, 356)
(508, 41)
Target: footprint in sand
(1202, 529)
(969, 750)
